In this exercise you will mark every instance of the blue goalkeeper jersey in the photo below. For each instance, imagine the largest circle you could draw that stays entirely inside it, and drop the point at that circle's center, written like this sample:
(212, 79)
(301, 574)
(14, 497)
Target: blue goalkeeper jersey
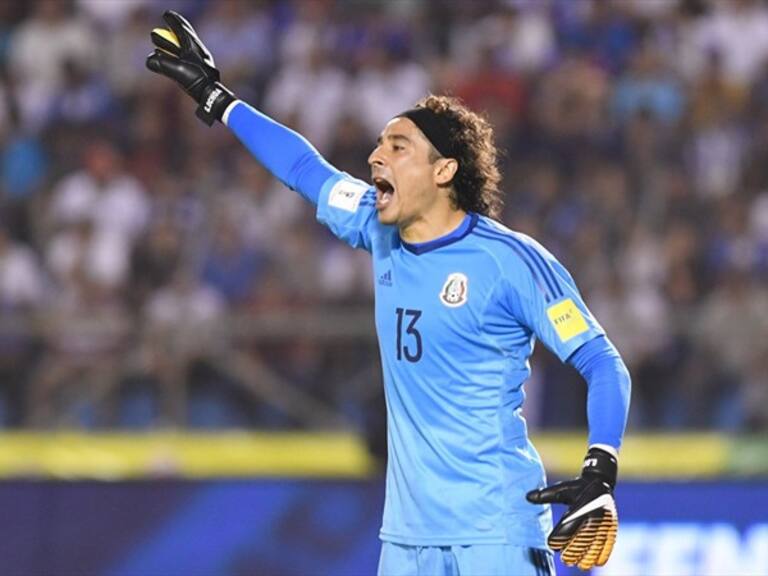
(457, 318)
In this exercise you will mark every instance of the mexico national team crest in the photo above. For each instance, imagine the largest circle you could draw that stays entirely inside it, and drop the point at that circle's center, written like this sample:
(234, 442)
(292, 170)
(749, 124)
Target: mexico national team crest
(454, 293)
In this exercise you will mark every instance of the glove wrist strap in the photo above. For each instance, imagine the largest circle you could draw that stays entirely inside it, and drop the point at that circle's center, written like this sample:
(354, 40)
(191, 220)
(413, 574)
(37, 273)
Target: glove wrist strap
(602, 464)
(213, 102)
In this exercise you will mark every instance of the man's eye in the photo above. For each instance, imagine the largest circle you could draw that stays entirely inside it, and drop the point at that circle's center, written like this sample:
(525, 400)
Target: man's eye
(397, 147)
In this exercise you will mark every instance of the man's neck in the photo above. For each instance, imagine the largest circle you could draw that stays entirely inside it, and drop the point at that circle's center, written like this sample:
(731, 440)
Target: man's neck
(432, 226)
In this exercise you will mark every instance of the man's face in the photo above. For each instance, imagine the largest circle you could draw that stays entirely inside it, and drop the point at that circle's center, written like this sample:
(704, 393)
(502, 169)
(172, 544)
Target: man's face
(403, 174)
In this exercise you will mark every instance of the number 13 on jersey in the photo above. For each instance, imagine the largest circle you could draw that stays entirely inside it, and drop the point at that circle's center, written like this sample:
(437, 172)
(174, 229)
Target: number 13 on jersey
(408, 339)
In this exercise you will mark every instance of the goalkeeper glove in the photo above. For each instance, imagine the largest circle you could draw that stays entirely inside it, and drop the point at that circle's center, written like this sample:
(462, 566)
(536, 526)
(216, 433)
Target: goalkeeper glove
(587, 531)
(181, 56)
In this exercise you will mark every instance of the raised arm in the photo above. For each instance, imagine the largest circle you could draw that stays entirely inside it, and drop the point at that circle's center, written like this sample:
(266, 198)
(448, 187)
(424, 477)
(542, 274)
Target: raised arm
(181, 56)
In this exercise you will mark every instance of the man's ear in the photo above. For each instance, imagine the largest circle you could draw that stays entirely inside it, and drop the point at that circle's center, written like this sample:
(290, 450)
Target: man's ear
(445, 170)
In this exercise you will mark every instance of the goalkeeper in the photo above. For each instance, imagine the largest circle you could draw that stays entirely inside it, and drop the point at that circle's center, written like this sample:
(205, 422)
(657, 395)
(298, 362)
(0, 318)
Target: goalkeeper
(460, 302)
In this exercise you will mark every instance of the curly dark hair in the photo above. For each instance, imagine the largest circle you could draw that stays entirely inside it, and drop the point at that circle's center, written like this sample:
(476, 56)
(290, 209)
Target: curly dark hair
(476, 183)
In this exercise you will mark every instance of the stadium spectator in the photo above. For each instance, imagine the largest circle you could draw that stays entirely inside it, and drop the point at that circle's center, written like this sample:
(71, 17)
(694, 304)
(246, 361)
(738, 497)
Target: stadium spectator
(648, 86)
(155, 260)
(385, 84)
(182, 319)
(85, 332)
(738, 30)
(111, 201)
(242, 35)
(39, 48)
(23, 289)
(520, 38)
(126, 47)
(315, 74)
(230, 266)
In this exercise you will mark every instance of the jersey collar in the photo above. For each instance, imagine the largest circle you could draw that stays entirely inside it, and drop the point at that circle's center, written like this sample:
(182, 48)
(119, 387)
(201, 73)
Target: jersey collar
(466, 226)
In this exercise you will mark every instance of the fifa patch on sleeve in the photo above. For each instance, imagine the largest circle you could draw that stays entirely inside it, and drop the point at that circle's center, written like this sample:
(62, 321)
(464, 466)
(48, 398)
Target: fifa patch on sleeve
(567, 319)
(346, 195)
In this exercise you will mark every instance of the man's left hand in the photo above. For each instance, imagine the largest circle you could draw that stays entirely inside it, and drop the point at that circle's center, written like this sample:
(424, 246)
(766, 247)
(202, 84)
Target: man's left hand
(587, 531)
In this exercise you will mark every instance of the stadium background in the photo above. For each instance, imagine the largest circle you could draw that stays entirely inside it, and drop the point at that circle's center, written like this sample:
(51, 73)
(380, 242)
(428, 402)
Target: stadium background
(188, 370)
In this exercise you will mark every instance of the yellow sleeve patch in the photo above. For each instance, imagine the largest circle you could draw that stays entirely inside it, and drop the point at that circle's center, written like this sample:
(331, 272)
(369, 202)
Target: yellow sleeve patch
(567, 319)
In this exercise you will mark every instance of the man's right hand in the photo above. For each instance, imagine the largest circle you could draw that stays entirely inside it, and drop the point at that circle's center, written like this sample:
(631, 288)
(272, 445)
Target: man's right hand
(181, 56)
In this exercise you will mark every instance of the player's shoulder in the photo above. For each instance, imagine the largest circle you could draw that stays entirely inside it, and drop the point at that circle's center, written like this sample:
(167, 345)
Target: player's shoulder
(524, 261)
(507, 244)
(348, 193)
(347, 206)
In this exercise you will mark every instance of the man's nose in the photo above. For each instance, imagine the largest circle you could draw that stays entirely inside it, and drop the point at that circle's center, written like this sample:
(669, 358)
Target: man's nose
(375, 158)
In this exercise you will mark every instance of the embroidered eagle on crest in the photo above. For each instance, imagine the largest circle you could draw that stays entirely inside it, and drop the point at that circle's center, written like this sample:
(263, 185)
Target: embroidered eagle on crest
(454, 292)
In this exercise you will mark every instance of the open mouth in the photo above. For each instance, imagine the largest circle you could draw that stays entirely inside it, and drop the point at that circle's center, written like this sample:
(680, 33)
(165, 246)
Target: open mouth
(384, 191)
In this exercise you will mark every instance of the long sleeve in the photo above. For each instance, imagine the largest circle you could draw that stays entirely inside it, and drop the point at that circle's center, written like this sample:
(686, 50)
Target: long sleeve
(285, 153)
(608, 391)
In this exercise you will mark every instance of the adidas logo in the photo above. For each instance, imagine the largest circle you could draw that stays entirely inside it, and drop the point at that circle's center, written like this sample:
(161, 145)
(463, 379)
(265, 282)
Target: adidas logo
(386, 278)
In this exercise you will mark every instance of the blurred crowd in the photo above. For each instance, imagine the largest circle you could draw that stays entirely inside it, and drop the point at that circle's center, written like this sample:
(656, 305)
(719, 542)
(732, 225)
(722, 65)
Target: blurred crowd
(140, 252)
